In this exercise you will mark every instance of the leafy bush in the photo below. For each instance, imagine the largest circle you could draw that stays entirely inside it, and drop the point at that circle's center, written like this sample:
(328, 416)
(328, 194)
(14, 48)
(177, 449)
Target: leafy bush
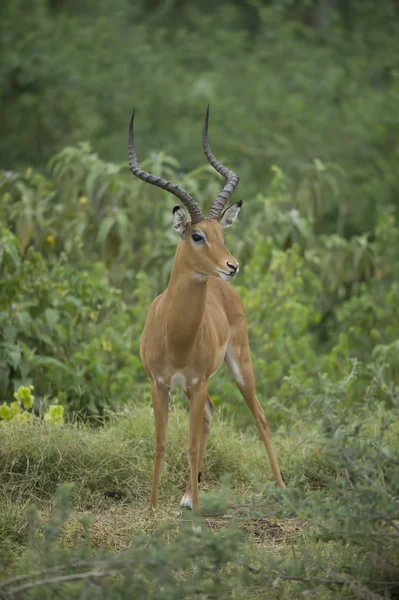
(288, 86)
(313, 301)
(60, 326)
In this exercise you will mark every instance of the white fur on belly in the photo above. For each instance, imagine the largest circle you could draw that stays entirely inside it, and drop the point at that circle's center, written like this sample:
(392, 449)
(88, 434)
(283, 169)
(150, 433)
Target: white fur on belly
(178, 380)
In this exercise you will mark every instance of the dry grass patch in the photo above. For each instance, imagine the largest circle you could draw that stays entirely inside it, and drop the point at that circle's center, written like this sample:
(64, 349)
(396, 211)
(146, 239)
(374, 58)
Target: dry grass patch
(114, 462)
(114, 528)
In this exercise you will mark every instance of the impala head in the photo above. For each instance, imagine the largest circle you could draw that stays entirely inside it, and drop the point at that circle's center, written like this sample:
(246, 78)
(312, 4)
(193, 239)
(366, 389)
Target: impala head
(201, 239)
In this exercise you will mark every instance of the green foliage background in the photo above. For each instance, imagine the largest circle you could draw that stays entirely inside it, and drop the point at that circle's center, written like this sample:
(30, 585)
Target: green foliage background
(85, 249)
(288, 82)
(304, 102)
(304, 107)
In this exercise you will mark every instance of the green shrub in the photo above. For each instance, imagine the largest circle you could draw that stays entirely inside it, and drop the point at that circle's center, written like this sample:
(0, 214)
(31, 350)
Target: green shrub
(320, 100)
(67, 331)
(19, 411)
(313, 302)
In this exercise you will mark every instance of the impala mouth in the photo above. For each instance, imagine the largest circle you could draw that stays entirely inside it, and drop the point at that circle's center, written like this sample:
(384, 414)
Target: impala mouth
(227, 276)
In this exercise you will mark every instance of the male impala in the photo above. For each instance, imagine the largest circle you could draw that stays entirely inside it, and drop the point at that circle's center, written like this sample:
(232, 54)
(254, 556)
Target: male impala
(196, 323)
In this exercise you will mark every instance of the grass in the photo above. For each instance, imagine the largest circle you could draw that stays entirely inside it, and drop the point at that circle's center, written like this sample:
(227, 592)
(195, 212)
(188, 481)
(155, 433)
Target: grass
(111, 466)
(114, 463)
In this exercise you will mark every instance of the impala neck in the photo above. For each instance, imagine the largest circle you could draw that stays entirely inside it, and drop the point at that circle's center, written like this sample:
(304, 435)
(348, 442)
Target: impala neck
(184, 305)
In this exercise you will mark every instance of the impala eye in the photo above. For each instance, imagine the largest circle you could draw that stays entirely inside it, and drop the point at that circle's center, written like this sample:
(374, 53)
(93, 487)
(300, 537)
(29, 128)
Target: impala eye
(197, 239)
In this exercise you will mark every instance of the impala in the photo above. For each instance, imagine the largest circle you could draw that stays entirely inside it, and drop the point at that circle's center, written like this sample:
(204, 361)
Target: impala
(197, 323)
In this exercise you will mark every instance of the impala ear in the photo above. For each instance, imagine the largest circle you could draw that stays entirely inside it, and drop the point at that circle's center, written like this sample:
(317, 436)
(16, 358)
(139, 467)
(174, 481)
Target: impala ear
(180, 221)
(229, 215)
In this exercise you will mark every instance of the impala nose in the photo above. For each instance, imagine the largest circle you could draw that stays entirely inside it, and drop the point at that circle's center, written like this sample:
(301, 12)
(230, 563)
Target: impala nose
(233, 268)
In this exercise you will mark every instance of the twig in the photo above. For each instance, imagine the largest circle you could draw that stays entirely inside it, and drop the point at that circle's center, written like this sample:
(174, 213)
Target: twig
(387, 517)
(60, 579)
(19, 578)
(342, 534)
(112, 573)
(78, 565)
(350, 461)
(351, 374)
(348, 479)
(317, 580)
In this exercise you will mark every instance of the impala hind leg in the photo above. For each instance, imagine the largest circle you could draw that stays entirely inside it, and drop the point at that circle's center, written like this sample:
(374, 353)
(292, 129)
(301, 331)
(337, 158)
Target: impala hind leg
(186, 501)
(238, 360)
(160, 402)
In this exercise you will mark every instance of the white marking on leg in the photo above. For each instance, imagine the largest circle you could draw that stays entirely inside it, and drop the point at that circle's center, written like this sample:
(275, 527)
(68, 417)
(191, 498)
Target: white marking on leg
(177, 380)
(231, 363)
(186, 501)
(194, 381)
(160, 380)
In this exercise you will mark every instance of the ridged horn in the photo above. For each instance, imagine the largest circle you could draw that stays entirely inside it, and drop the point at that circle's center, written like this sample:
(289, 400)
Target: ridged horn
(232, 178)
(179, 192)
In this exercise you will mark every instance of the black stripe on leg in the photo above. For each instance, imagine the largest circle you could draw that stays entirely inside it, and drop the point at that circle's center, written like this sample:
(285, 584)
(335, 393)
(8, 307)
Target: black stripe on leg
(199, 476)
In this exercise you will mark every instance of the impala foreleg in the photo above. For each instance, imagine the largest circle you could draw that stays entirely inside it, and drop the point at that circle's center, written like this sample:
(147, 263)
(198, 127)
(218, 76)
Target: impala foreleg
(239, 363)
(160, 402)
(186, 501)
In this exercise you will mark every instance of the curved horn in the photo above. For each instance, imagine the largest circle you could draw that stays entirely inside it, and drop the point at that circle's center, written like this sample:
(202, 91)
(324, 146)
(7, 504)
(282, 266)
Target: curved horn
(188, 201)
(232, 178)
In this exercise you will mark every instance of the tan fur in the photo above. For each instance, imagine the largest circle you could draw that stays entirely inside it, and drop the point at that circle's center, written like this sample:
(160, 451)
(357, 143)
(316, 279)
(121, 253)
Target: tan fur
(196, 323)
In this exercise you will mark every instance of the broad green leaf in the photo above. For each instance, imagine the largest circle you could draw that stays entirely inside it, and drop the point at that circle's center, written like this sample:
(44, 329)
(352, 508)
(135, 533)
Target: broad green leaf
(49, 361)
(105, 228)
(52, 317)
(14, 357)
(9, 334)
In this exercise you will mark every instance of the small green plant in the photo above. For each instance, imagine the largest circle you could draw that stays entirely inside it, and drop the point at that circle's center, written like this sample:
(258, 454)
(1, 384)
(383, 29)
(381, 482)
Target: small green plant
(55, 414)
(20, 410)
